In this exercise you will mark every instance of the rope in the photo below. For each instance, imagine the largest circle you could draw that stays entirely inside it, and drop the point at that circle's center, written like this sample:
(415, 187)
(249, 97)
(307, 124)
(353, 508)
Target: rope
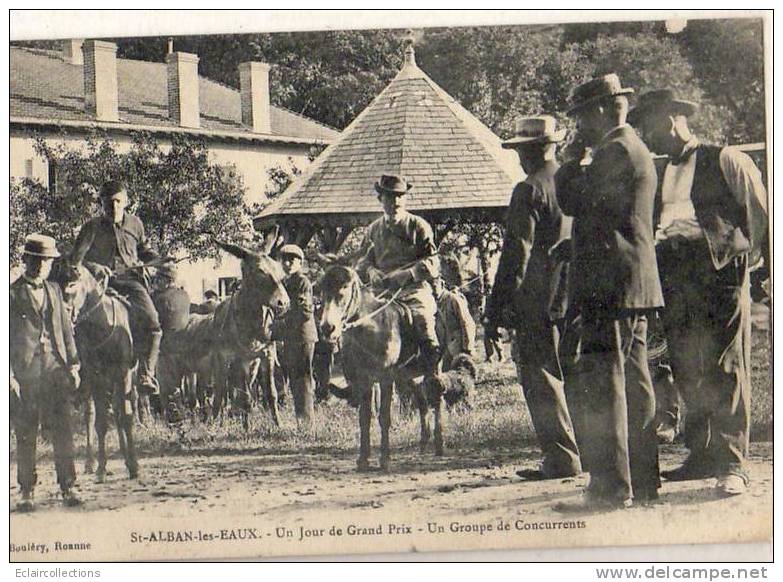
(356, 322)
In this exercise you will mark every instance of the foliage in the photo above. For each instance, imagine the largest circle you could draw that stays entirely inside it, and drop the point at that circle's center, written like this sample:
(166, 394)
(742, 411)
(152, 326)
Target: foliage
(183, 199)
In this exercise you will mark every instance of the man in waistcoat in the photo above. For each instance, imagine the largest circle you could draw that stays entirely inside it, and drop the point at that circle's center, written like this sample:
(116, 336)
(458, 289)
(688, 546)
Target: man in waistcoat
(711, 229)
(44, 370)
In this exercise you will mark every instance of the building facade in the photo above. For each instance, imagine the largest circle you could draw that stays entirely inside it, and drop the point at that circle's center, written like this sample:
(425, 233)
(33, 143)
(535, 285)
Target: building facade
(63, 96)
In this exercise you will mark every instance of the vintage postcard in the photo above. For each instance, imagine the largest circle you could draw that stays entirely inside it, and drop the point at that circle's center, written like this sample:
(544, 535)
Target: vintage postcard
(496, 286)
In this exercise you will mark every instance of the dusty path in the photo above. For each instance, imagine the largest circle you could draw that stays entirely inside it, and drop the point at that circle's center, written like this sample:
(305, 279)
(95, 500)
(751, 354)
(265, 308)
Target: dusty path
(257, 504)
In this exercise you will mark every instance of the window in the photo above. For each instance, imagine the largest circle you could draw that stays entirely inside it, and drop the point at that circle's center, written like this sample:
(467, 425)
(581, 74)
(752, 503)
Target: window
(226, 286)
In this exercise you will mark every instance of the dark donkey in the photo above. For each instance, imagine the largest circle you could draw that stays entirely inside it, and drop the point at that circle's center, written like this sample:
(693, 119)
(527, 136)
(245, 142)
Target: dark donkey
(377, 345)
(236, 333)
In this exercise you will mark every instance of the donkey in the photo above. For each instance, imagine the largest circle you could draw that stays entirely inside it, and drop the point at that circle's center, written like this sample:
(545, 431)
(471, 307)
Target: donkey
(377, 345)
(103, 338)
(237, 332)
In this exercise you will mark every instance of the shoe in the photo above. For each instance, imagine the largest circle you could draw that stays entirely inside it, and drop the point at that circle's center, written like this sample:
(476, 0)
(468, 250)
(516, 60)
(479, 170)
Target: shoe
(70, 499)
(592, 504)
(689, 471)
(732, 484)
(541, 475)
(26, 505)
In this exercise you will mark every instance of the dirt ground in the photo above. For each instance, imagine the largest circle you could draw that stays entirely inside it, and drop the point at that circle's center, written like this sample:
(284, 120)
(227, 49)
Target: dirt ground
(277, 493)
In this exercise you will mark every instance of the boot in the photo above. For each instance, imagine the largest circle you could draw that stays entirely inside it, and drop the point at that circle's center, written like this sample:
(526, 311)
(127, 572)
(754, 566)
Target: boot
(70, 499)
(26, 505)
(148, 364)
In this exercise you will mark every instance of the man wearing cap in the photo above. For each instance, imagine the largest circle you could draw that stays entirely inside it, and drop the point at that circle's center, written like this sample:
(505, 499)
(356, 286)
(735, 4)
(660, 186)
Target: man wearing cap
(44, 369)
(298, 333)
(173, 306)
(529, 295)
(211, 302)
(711, 230)
(114, 245)
(401, 255)
(454, 324)
(613, 282)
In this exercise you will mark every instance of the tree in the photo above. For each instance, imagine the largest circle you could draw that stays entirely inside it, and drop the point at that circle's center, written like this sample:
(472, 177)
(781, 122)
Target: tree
(183, 199)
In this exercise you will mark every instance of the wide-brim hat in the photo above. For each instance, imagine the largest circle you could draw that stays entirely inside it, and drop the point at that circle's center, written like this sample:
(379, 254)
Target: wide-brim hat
(595, 89)
(292, 251)
(533, 130)
(167, 270)
(392, 184)
(661, 100)
(40, 245)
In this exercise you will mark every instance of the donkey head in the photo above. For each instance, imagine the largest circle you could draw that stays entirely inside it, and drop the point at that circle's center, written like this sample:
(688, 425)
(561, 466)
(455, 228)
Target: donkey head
(340, 289)
(262, 277)
(77, 283)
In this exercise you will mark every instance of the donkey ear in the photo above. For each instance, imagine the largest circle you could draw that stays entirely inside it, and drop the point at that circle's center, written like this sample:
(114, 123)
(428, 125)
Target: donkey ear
(236, 250)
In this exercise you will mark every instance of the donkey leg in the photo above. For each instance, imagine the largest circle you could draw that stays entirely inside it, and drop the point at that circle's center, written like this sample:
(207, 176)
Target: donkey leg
(125, 424)
(89, 423)
(365, 416)
(384, 418)
(101, 426)
(424, 413)
(437, 409)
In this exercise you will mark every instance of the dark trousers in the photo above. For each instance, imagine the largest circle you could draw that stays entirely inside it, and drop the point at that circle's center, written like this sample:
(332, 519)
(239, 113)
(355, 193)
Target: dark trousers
(144, 316)
(619, 445)
(707, 323)
(47, 394)
(539, 372)
(297, 363)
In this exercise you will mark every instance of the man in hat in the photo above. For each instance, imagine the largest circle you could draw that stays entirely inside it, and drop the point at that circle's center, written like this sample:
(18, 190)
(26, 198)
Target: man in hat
(529, 297)
(401, 254)
(711, 230)
(614, 286)
(211, 302)
(298, 333)
(114, 245)
(44, 369)
(173, 306)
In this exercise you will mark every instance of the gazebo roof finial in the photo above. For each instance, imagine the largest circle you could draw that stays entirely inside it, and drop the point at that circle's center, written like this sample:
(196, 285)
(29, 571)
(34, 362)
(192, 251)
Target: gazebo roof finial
(410, 53)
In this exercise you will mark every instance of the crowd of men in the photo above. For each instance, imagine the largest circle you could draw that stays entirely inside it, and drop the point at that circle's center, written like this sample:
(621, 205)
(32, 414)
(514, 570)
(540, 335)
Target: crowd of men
(593, 249)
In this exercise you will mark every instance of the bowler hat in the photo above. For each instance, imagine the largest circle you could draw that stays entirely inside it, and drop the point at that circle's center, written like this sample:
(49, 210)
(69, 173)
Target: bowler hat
(293, 251)
(663, 100)
(535, 129)
(595, 89)
(40, 245)
(392, 184)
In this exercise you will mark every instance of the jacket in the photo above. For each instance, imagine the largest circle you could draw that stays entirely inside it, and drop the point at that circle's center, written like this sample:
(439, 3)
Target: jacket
(614, 267)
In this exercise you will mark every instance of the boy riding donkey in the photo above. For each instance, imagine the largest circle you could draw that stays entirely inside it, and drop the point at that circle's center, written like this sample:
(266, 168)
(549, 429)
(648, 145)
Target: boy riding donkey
(114, 245)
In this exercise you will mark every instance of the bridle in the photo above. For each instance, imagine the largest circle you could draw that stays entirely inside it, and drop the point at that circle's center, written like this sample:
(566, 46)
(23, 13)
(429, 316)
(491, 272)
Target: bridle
(352, 307)
(84, 315)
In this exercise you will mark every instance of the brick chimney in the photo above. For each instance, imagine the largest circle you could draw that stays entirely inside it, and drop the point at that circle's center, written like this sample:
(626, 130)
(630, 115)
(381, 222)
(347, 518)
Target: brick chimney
(100, 80)
(254, 92)
(72, 51)
(182, 73)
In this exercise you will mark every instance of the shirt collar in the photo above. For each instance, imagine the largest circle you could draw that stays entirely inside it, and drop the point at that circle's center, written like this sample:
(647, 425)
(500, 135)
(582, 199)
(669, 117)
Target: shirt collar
(34, 283)
(611, 132)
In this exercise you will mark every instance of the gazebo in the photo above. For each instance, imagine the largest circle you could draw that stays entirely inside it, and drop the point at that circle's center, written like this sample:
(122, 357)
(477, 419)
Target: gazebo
(413, 128)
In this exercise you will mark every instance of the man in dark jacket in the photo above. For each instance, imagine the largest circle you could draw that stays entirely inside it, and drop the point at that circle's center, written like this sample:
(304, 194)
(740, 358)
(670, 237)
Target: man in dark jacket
(44, 369)
(529, 295)
(711, 230)
(298, 333)
(114, 245)
(173, 306)
(614, 285)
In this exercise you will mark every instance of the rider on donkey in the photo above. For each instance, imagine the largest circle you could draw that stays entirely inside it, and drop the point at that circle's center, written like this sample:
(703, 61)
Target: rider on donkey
(114, 245)
(401, 255)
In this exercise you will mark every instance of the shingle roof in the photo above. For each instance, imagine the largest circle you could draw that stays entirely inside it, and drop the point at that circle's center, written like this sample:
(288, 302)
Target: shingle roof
(43, 86)
(416, 129)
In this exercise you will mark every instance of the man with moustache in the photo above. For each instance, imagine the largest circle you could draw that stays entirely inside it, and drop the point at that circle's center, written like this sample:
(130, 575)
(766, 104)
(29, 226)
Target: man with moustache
(529, 296)
(614, 285)
(711, 230)
(44, 370)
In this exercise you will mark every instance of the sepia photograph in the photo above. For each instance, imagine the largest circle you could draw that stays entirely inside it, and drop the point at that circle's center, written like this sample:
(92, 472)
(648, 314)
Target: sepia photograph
(337, 291)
